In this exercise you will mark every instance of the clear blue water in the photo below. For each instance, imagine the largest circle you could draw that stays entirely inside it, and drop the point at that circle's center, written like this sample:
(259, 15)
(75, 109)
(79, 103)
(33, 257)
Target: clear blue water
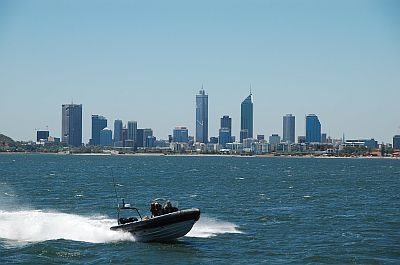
(57, 209)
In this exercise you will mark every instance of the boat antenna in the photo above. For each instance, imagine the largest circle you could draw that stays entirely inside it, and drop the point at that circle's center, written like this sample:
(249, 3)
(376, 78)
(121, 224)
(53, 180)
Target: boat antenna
(115, 187)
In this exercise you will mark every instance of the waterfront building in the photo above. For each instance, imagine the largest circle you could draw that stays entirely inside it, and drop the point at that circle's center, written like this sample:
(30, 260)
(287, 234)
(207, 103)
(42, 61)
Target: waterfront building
(225, 131)
(226, 122)
(147, 133)
(132, 131)
(370, 143)
(301, 139)
(246, 118)
(224, 136)
(396, 142)
(323, 138)
(213, 140)
(139, 138)
(289, 128)
(129, 143)
(274, 139)
(150, 141)
(118, 132)
(42, 136)
(105, 137)
(124, 136)
(180, 135)
(52, 139)
(71, 131)
(235, 147)
(313, 129)
(248, 144)
(98, 124)
(202, 117)
(244, 134)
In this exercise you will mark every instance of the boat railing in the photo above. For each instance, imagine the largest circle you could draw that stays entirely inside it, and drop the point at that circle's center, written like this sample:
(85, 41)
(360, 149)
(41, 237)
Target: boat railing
(126, 206)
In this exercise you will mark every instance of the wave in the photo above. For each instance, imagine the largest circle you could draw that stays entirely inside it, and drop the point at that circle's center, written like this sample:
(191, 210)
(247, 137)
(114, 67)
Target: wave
(37, 226)
(209, 227)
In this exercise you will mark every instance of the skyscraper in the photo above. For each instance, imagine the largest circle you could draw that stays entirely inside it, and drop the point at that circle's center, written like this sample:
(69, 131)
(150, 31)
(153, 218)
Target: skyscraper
(98, 124)
(224, 136)
(246, 121)
(225, 132)
(396, 142)
(226, 122)
(139, 138)
(180, 135)
(148, 137)
(132, 130)
(289, 124)
(71, 131)
(202, 117)
(117, 131)
(105, 137)
(313, 129)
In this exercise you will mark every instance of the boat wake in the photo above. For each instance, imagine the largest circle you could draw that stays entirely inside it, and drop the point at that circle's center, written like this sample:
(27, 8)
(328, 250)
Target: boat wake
(29, 226)
(37, 226)
(209, 227)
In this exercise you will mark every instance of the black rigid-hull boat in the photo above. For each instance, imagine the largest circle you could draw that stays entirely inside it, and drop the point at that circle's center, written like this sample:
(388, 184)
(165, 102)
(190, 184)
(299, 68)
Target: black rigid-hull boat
(163, 227)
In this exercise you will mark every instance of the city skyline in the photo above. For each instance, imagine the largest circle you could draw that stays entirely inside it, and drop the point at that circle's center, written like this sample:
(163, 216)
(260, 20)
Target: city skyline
(339, 60)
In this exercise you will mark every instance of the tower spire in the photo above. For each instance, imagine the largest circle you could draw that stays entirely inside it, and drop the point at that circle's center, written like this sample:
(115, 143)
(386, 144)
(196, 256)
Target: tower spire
(250, 88)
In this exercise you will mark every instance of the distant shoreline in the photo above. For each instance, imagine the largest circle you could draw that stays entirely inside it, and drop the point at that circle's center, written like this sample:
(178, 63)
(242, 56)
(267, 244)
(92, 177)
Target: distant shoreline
(201, 155)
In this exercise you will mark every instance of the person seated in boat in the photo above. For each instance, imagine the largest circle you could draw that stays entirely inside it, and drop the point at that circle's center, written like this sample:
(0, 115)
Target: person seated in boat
(156, 209)
(168, 208)
(153, 209)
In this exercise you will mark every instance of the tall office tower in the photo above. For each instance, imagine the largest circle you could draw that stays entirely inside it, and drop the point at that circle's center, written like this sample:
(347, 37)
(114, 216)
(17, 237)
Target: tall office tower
(124, 136)
(313, 129)
(98, 124)
(226, 122)
(71, 131)
(323, 138)
(132, 130)
(139, 138)
(289, 123)
(224, 136)
(147, 133)
(202, 117)
(396, 142)
(106, 137)
(246, 121)
(118, 131)
(225, 132)
(180, 135)
(244, 134)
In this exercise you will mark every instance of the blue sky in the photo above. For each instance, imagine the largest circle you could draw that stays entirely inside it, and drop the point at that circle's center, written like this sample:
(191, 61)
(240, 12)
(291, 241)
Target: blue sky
(146, 60)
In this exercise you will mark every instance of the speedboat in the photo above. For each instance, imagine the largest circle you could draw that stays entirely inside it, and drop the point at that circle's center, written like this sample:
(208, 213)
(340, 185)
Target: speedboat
(165, 223)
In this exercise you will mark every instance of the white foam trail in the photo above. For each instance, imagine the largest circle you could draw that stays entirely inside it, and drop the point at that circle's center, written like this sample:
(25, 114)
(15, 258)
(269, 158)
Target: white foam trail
(36, 226)
(209, 227)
